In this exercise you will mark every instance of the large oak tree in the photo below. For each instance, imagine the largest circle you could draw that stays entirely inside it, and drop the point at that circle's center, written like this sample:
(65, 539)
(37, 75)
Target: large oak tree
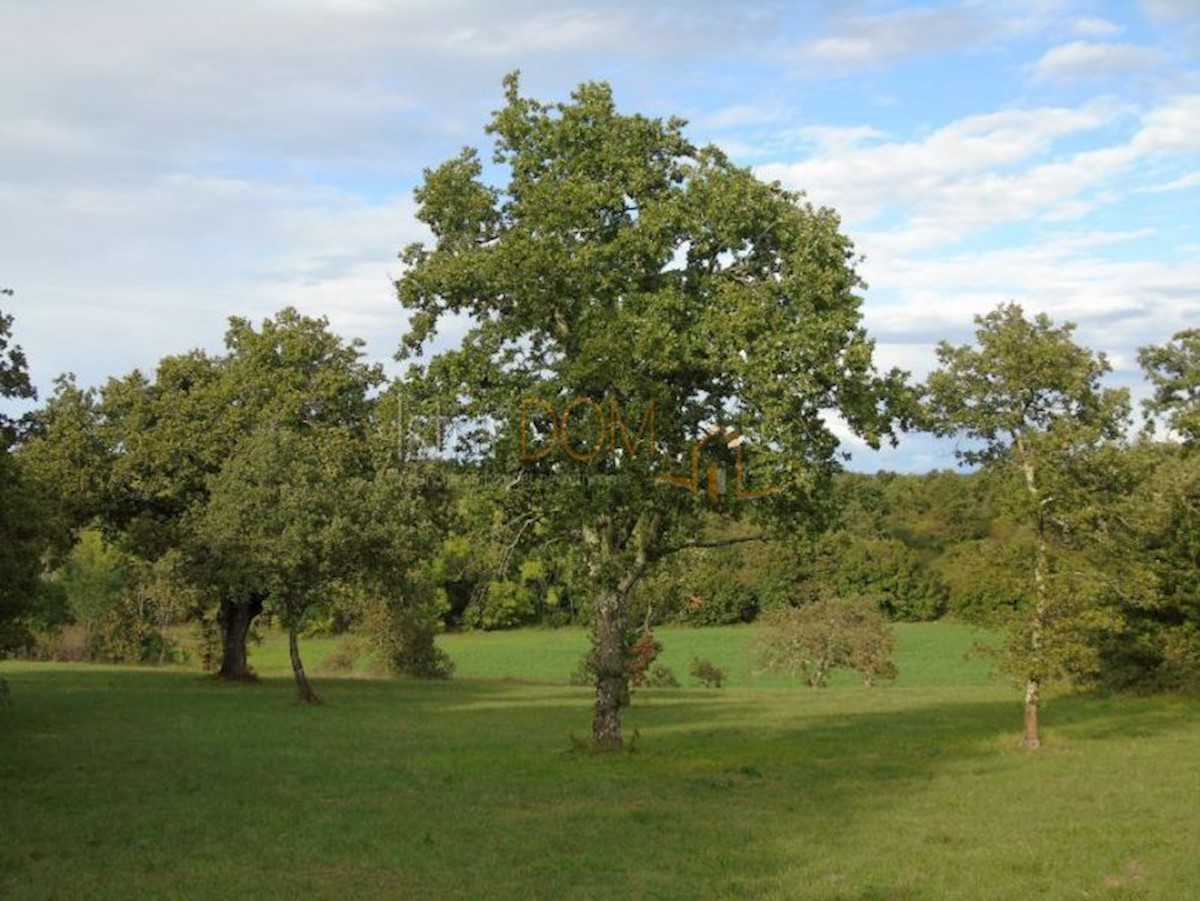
(627, 293)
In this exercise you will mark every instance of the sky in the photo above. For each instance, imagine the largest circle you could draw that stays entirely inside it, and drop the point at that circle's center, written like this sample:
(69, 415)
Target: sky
(166, 166)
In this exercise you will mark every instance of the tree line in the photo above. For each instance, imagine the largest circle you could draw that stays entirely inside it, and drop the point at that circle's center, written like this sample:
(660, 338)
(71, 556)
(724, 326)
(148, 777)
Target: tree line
(603, 260)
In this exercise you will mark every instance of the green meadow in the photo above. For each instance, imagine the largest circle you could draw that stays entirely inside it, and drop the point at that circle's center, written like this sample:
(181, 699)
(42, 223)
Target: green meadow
(123, 782)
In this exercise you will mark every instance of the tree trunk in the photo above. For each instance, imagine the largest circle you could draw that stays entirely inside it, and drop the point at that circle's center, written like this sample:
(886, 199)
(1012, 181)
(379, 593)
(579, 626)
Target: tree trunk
(612, 678)
(303, 689)
(1033, 687)
(235, 620)
(1032, 739)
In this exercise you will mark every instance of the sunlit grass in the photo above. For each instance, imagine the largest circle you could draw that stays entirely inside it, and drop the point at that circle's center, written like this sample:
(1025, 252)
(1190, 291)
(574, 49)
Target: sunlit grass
(121, 782)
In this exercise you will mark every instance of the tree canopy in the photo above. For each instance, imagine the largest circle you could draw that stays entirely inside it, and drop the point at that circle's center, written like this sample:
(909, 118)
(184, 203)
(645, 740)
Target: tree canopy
(629, 293)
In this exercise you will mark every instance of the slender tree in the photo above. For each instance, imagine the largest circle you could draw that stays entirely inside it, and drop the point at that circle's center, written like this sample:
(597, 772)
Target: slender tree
(1031, 402)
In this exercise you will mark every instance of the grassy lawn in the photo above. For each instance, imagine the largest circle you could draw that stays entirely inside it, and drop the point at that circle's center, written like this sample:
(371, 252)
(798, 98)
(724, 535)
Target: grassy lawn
(122, 782)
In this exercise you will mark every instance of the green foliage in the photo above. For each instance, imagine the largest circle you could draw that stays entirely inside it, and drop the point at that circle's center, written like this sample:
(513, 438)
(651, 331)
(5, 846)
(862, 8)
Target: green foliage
(979, 576)
(95, 579)
(884, 569)
(813, 641)
(1152, 553)
(23, 522)
(14, 382)
(69, 463)
(504, 604)
(123, 606)
(1174, 372)
(1026, 392)
(24, 537)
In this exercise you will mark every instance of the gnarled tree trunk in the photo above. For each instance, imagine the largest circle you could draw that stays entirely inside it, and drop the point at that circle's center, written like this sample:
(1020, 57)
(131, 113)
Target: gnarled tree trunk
(303, 688)
(235, 619)
(612, 675)
(610, 655)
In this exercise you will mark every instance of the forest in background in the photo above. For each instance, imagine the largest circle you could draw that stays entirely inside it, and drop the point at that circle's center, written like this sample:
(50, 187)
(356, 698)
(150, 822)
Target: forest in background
(110, 584)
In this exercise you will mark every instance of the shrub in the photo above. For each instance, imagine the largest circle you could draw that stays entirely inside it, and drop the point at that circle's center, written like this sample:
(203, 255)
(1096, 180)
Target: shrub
(814, 640)
(707, 673)
(404, 629)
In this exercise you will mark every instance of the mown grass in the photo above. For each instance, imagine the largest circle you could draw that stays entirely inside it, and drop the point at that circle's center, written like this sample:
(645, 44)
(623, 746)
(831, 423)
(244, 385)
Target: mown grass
(133, 782)
(927, 653)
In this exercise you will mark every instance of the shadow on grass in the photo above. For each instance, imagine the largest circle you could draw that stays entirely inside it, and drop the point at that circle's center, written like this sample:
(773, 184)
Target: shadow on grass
(729, 794)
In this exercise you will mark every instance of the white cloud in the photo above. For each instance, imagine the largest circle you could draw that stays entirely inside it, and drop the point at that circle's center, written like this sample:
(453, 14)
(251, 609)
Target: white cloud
(1095, 27)
(864, 181)
(1120, 304)
(1174, 126)
(987, 170)
(1083, 59)
(835, 139)
(1183, 183)
(860, 40)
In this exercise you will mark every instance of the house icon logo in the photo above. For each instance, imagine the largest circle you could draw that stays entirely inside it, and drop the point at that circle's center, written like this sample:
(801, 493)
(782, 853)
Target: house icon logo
(718, 446)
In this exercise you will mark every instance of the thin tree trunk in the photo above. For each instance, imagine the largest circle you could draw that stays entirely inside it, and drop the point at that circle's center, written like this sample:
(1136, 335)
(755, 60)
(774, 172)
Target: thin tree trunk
(612, 677)
(1032, 739)
(1033, 694)
(235, 620)
(303, 689)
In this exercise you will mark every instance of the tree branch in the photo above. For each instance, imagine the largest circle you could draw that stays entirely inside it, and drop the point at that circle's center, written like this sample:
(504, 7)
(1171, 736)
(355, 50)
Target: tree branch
(720, 542)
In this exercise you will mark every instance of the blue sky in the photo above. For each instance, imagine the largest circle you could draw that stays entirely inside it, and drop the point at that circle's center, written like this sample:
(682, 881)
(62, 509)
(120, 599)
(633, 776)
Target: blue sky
(165, 166)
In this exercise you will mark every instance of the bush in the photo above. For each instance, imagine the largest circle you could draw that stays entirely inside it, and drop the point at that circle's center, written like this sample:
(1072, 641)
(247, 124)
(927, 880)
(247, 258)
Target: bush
(123, 606)
(404, 630)
(707, 673)
(813, 641)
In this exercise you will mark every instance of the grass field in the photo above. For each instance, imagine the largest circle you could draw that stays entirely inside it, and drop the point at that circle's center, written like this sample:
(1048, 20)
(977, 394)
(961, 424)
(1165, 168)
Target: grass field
(123, 782)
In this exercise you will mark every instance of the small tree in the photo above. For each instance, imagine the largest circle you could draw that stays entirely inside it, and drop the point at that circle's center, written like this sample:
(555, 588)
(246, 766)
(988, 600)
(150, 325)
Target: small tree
(1030, 401)
(811, 642)
(280, 523)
